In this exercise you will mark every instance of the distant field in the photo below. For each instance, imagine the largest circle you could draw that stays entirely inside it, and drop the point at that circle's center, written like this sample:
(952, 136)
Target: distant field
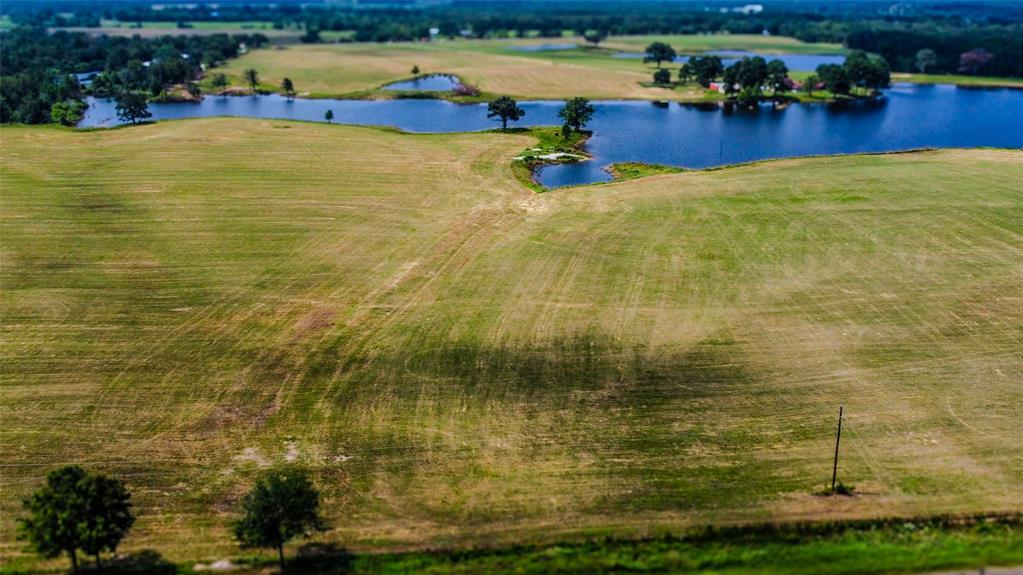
(692, 43)
(155, 29)
(962, 80)
(462, 361)
(499, 67)
(340, 69)
(205, 25)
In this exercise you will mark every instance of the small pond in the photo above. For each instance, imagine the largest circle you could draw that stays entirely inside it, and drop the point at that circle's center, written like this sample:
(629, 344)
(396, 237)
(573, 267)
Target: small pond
(430, 83)
(691, 136)
(545, 47)
(794, 62)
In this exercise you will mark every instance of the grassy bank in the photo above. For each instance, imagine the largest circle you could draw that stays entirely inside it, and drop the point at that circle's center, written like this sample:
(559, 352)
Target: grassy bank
(959, 80)
(462, 362)
(852, 547)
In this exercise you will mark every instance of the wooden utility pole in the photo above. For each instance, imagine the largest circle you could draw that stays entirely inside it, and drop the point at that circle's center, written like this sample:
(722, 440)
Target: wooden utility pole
(838, 438)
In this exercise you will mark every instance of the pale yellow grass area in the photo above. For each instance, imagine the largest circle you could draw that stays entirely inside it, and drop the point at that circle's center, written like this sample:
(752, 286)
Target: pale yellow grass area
(461, 361)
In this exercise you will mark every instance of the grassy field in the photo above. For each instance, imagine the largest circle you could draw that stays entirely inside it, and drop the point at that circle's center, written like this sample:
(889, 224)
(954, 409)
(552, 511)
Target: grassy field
(500, 67)
(156, 29)
(695, 43)
(346, 69)
(462, 361)
(959, 80)
(496, 66)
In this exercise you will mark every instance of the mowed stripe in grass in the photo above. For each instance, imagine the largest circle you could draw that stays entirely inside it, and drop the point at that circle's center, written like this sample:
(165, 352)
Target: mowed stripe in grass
(461, 361)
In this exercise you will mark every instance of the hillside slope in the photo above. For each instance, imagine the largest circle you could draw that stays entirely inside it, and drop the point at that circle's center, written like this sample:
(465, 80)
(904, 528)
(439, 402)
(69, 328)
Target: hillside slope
(460, 360)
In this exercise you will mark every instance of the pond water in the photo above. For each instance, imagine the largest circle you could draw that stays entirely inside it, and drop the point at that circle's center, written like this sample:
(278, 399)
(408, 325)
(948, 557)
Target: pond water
(794, 62)
(545, 47)
(431, 83)
(692, 136)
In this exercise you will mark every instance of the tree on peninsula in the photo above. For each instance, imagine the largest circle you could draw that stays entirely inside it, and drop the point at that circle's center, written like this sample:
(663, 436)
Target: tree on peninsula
(576, 113)
(506, 109)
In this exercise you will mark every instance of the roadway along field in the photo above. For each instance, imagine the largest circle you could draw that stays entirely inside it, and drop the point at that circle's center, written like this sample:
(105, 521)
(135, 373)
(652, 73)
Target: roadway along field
(462, 361)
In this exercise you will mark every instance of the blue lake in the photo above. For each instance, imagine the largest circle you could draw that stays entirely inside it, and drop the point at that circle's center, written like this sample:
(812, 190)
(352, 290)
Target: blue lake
(692, 136)
(431, 83)
(545, 47)
(794, 62)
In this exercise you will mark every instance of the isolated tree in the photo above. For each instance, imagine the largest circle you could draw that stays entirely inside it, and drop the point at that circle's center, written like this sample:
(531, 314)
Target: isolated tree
(506, 109)
(193, 90)
(415, 70)
(77, 510)
(662, 77)
(220, 82)
(778, 76)
(925, 58)
(311, 36)
(67, 112)
(577, 112)
(974, 60)
(329, 116)
(659, 52)
(810, 84)
(108, 516)
(595, 37)
(132, 107)
(282, 505)
(252, 78)
(288, 87)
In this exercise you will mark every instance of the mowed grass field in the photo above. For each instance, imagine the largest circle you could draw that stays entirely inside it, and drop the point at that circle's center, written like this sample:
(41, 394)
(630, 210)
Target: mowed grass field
(495, 66)
(461, 361)
(347, 69)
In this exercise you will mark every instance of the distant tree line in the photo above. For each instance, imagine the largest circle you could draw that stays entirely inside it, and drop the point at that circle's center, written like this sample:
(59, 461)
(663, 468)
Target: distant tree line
(750, 79)
(39, 84)
(896, 32)
(987, 51)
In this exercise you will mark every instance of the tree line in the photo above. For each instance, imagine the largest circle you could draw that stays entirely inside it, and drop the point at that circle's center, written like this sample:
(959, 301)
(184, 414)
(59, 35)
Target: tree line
(39, 84)
(950, 30)
(749, 79)
(77, 512)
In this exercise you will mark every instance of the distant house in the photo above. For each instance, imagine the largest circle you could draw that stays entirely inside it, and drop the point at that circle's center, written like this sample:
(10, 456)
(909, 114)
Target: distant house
(717, 87)
(85, 78)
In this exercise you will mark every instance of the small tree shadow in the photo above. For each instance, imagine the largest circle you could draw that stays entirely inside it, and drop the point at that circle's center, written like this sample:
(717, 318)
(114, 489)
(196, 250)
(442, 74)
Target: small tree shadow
(146, 562)
(321, 558)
